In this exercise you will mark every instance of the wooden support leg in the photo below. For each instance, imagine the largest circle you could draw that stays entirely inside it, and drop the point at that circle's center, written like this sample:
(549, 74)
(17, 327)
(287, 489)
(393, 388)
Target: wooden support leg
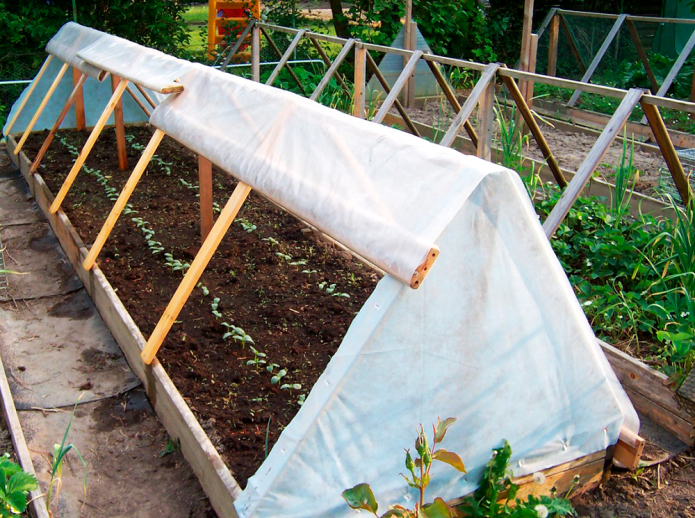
(41, 107)
(256, 54)
(530, 120)
(76, 91)
(598, 57)
(30, 90)
(592, 161)
(79, 162)
(487, 78)
(656, 123)
(123, 199)
(285, 57)
(410, 44)
(231, 209)
(485, 113)
(528, 94)
(552, 49)
(333, 69)
(358, 96)
(205, 191)
(408, 69)
(120, 128)
(77, 80)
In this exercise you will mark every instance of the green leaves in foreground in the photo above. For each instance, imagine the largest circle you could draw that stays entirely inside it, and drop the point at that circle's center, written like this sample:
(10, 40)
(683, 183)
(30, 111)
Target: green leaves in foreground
(14, 486)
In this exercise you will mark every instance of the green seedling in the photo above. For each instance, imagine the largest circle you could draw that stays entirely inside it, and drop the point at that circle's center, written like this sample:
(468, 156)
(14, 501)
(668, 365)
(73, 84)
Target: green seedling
(214, 305)
(237, 334)
(171, 446)
(271, 367)
(286, 257)
(15, 484)
(271, 240)
(276, 379)
(247, 225)
(331, 290)
(257, 357)
(291, 387)
(204, 289)
(302, 398)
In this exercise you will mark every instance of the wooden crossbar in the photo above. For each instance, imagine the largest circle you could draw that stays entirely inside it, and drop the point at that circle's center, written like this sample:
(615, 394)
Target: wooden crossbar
(122, 200)
(30, 90)
(56, 125)
(598, 57)
(79, 162)
(387, 88)
(530, 120)
(41, 107)
(486, 78)
(408, 69)
(592, 161)
(333, 70)
(285, 57)
(279, 53)
(225, 219)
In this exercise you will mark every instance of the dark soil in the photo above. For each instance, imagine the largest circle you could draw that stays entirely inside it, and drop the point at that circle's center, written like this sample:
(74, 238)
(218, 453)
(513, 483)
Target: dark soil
(272, 276)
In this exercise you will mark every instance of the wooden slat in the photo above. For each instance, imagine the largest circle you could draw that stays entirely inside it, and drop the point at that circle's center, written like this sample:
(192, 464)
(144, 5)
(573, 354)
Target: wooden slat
(629, 449)
(656, 123)
(526, 31)
(485, 117)
(144, 94)
(487, 77)
(256, 54)
(359, 94)
(408, 70)
(592, 161)
(528, 94)
(410, 44)
(598, 57)
(387, 88)
(30, 90)
(137, 101)
(196, 269)
(173, 88)
(41, 107)
(451, 97)
(332, 70)
(120, 128)
(572, 43)
(530, 120)
(88, 146)
(238, 44)
(122, 200)
(326, 60)
(207, 217)
(279, 53)
(642, 55)
(212, 27)
(80, 123)
(56, 125)
(552, 48)
(285, 58)
(424, 269)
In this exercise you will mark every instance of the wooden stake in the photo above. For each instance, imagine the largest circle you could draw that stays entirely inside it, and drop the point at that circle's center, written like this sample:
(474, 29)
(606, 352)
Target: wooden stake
(120, 128)
(196, 269)
(205, 189)
(531, 68)
(79, 162)
(486, 78)
(41, 107)
(642, 55)
(77, 79)
(256, 54)
(628, 450)
(526, 31)
(408, 69)
(56, 126)
(552, 48)
(599, 56)
(592, 161)
(358, 97)
(123, 199)
(333, 69)
(530, 120)
(30, 90)
(485, 113)
(656, 123)
(212, 27)
(285, 57)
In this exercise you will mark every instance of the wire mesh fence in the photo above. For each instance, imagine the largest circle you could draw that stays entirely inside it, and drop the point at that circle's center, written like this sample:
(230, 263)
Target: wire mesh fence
(12, 70)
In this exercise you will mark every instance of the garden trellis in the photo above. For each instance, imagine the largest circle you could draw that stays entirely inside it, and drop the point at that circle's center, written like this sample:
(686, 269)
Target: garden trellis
(494, 315)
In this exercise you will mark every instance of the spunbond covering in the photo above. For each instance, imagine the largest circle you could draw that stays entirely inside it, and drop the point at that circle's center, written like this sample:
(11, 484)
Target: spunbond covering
(383, 194)
(69, 40)
(493, 337)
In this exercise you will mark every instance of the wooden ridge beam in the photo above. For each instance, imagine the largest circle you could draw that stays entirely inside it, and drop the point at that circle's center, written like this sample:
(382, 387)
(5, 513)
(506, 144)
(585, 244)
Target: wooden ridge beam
(592, 161)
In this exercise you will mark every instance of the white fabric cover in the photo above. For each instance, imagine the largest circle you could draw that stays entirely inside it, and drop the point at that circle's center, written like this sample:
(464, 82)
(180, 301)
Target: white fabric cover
(382, 193)
(69, 40)
(494, 337)
(141, 65)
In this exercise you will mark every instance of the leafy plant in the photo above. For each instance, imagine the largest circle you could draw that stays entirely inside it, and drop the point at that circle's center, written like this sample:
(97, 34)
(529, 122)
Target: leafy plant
(419, 469)
(280, 374)
(171, 446)
(15, 483)
(257, 357)
(237, 334)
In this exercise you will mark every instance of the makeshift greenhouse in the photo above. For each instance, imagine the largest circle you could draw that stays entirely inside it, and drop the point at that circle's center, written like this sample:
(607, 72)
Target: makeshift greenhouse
(474, 318)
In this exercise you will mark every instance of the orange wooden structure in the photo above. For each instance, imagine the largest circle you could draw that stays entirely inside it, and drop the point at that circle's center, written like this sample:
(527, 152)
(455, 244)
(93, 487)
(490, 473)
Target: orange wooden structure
(225, 16)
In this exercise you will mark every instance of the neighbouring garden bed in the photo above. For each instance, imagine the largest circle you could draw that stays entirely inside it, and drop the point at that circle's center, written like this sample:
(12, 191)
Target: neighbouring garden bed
(277, 288)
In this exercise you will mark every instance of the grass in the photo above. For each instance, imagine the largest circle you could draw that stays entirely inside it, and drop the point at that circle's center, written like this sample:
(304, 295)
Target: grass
(196, 14)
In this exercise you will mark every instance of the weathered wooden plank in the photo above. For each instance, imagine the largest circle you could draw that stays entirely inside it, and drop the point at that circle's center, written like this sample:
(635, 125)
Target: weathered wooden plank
(553, 44)
(687, 49)
(358, 95)
(256, 54)
(598, 57)
(592, 161)
(485, 117)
